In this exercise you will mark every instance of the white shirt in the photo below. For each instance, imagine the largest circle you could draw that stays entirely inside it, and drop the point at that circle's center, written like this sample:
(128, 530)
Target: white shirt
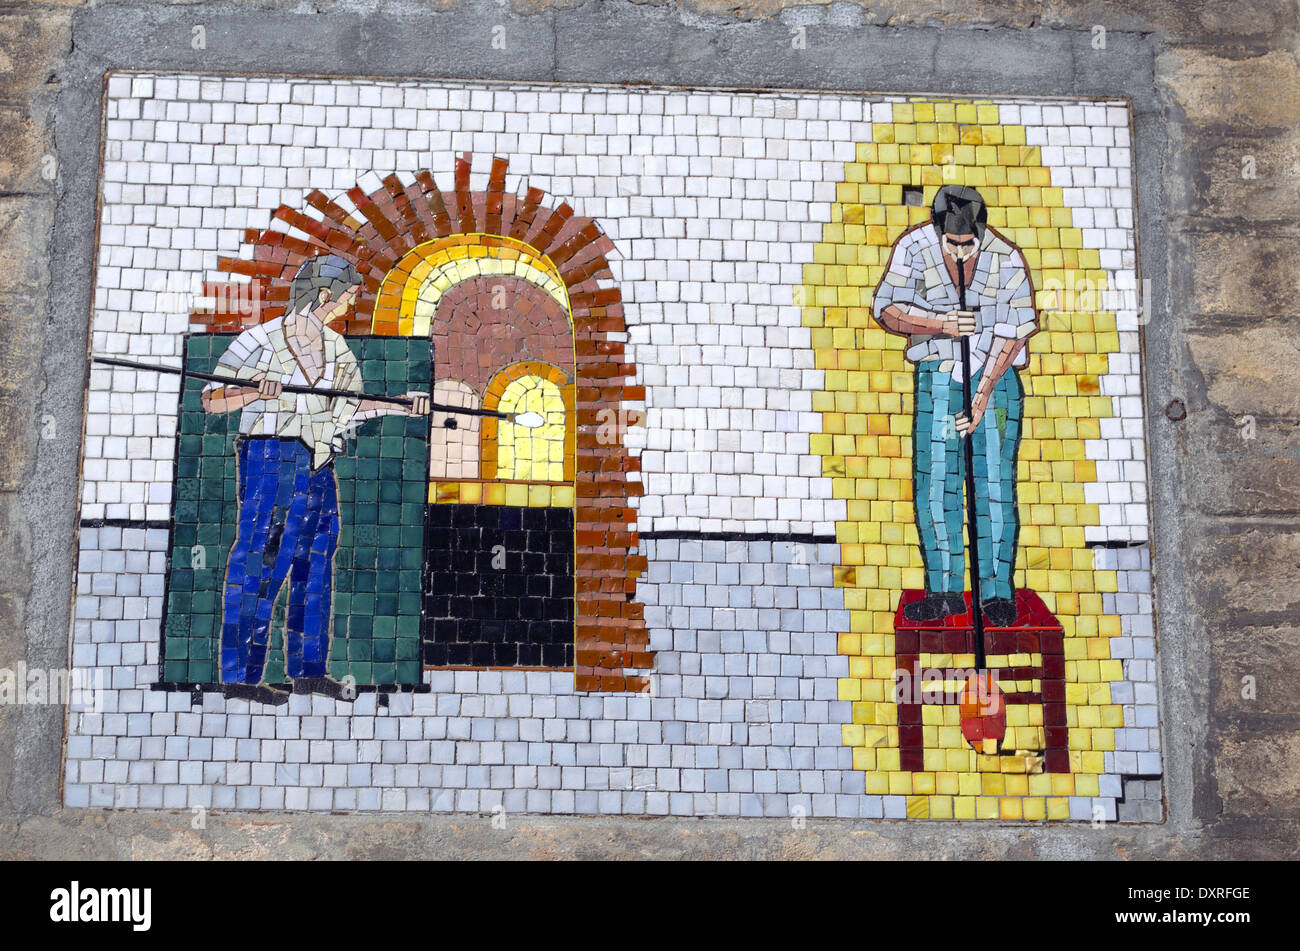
(1000, 293)
(320, 422)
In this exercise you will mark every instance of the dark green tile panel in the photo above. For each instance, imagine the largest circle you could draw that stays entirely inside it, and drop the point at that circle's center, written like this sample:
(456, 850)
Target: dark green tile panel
(383, 483)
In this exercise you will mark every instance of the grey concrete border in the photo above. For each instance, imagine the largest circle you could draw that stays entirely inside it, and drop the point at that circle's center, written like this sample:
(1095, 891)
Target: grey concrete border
(614, 41)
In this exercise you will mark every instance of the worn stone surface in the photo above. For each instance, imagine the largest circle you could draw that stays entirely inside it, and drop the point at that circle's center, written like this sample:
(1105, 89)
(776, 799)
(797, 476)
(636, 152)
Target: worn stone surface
(1263, 661)
(1251, 570)
(34, 41)
(1242, 90)
(1237, 380)
(1217, 246)
(1255, 771)
(1240, 273)
(1221, 186)
(1251, 463)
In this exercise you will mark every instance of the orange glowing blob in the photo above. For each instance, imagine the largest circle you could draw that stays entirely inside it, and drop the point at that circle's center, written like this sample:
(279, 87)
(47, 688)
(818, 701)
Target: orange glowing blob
(983, 712)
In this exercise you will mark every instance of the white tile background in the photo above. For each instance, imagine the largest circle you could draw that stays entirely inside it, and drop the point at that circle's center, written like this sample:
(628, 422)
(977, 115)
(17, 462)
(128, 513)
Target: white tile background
(742, 717)
(714, 201)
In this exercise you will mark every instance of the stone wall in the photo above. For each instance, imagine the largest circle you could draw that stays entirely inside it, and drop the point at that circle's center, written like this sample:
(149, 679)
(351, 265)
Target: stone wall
(1217, 127)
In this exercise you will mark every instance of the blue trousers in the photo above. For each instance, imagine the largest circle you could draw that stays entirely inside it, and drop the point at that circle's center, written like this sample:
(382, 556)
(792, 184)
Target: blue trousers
(288, 529)
(939, 472)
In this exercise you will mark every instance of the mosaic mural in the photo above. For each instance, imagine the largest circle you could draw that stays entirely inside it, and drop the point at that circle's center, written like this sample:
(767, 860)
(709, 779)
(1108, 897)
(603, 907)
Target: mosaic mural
(473, 447)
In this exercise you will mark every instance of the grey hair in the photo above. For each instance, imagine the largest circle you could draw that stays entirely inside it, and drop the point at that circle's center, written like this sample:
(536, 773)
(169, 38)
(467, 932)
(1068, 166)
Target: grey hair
(328, 271)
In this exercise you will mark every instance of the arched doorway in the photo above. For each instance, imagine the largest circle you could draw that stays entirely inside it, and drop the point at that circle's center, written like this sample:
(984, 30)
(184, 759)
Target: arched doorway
(499, 539)
(487, 280)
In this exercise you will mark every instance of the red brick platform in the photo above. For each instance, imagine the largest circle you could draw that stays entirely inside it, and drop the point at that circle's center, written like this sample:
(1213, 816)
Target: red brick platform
(1035, 631)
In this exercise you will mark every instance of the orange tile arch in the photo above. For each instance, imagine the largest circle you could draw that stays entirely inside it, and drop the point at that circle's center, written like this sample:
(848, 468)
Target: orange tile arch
(409, 294)
(405, 223)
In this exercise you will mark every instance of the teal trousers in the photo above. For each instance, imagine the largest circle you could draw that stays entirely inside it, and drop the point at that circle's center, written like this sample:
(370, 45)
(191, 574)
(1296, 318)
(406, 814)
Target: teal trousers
(939, 472)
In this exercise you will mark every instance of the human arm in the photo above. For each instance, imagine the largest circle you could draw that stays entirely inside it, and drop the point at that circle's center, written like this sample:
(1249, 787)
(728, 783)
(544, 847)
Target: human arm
(369, 409)
(913, 320)
(227, 399)
(1001, 358)
(899, 307)
(1016, 320)
(350, 412)
(245, 358)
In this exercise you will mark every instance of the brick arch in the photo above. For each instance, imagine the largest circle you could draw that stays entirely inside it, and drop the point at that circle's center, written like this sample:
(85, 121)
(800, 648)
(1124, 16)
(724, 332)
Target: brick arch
(473, 339)
(374, 230)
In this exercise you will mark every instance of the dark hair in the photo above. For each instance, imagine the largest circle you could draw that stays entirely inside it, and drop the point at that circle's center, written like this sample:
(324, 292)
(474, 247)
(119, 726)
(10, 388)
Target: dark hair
(959, 209)
(329, 271)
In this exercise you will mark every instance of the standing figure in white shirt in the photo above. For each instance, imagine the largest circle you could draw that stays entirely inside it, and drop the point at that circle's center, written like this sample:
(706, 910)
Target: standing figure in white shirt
(288, 494)
(918, 299)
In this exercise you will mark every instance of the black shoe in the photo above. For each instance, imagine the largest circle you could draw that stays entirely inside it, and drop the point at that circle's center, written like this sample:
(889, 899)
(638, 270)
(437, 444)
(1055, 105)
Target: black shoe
(327, 686)
(1000, 612)
(258, 693)
(935, 607)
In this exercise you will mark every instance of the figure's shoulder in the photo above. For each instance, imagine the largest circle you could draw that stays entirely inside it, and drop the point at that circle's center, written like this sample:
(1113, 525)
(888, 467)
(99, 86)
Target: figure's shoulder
(264, 331)
(917, 237)
(255, 337)
(337, 345)
(997, 243)
(909, 246)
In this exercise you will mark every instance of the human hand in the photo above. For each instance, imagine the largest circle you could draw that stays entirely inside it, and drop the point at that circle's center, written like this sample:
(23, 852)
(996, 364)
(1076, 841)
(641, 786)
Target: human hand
(419, 404)
(267, 388)
(978, 404)
(959, 323)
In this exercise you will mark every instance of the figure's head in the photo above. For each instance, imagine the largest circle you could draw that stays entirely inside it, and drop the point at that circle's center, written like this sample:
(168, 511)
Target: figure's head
(327, 284)
(961, 217)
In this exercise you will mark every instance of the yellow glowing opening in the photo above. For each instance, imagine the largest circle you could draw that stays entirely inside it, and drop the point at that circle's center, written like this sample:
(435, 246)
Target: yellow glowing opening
(533, 454)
